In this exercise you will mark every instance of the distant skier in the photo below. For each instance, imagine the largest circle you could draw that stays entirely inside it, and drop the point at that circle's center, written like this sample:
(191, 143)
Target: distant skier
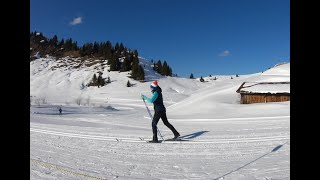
(159, 111)
(60, 111)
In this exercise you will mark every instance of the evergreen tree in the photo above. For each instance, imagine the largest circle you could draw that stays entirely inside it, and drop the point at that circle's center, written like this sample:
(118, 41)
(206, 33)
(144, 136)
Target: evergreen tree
(135, 70)
(108, 80)
(170, 72)
(201, 79)
(128, 84)
(89, 49)
(118, 63)
(116, 48)
(74, 46)
(54, 41)
(113, 64)
(68, 44)
(95, 48)
(121, 48)
(159, 67)
(164, 69)
(105, 50)
(94, 78)
(135, 52)
(154, 66)
(61, 43)
(100, 81)
(191, 76)
(93, 81)
(126, 65)
(141, 73)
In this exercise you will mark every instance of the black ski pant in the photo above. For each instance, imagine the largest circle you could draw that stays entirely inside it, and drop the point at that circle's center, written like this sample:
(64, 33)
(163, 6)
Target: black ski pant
(163, 116)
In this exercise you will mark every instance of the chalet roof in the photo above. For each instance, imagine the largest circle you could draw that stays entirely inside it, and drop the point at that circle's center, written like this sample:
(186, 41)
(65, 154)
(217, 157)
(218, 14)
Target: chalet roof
(264, 87)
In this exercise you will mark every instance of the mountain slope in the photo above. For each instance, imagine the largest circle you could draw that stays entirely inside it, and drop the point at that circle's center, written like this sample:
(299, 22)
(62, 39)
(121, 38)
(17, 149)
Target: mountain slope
(221, 97)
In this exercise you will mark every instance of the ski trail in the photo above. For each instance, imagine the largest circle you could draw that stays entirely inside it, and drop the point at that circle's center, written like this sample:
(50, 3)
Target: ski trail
(134, 140)
(273, 118)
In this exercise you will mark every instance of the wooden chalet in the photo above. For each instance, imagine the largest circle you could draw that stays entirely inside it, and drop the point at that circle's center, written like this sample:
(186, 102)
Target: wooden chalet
(264, 92)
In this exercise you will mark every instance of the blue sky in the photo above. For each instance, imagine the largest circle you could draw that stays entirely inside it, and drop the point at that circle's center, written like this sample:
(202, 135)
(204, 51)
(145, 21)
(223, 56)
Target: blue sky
(203, 37)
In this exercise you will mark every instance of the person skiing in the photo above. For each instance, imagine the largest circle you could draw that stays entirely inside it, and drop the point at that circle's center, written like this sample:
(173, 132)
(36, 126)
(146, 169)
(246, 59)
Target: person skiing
(159, 111)
(60, 111)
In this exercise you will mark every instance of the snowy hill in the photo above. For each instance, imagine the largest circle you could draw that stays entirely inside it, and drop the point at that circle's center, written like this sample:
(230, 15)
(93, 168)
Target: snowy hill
(61, 81)
(221, 96)
(104, 137)
(64, 85)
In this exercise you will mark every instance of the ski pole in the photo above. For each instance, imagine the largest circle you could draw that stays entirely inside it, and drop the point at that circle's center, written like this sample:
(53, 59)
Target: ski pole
(152, 118)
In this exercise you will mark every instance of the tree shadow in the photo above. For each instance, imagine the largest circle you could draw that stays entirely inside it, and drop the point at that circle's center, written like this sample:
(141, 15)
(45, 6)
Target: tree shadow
(273, 150)
(193, 135)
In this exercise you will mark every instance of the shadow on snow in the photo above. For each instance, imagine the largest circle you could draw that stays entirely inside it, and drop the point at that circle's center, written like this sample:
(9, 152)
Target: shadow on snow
(273, 150)
(193, 135)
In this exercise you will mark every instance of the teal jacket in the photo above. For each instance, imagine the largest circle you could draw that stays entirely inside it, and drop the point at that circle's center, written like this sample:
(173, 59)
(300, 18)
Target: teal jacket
(157, 100)
(153, 98)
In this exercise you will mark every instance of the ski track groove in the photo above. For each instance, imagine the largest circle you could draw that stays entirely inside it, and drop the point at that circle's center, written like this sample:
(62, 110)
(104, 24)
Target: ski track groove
(138, 140)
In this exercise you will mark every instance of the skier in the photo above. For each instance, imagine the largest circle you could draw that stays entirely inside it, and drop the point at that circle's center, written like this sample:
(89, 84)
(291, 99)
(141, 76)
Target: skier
(159, 111)
(60, 111)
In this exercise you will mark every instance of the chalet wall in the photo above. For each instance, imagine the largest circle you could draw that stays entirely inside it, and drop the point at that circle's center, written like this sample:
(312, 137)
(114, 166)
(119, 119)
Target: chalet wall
(263, 98)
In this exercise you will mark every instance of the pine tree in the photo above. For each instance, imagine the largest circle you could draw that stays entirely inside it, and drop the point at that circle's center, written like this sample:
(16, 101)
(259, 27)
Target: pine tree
(100, 81)
(159, 67)
(95, 48)
(61, 43)
(170, 72)
(121, 48)
(191, 76)
(68, 44)
(128, 84)
(54, 41)
(141, 73)
(113, 64)
(165, 69)
(118, 63)
(126, 64)
(74, 46)
(135, 52)
(135, 70)
(89, 49)
(93, 81)
(94, 78)
(116, 48)
(108, 80)
(107, 50)
(154, 66)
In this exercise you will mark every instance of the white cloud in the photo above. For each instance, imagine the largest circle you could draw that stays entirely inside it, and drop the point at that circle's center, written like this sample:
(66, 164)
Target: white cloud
(76, 21)
(225, 53)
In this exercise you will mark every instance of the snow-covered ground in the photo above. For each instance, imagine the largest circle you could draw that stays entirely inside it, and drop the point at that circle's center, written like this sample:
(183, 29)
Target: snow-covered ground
(104, 137)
